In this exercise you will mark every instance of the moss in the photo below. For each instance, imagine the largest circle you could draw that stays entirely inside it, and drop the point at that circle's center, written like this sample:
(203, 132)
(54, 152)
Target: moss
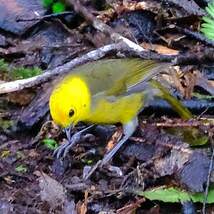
(23, 73)
(13, 73)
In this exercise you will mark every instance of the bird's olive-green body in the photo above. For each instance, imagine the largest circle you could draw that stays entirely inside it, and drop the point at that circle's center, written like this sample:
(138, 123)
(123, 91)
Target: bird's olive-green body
(101, 92)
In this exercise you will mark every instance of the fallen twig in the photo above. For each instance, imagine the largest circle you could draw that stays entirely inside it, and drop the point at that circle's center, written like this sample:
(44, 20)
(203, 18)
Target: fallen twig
(46, 17)
(18, 85)
(196, 35)
(188, 58)
(182, 124)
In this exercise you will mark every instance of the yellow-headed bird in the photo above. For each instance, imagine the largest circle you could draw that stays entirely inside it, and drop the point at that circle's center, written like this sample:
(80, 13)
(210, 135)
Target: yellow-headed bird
(103, 92)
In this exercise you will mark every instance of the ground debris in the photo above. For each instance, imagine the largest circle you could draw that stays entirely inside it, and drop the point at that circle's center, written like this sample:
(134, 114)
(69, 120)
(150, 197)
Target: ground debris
(164, 155)
(17, 8)
(32, 180)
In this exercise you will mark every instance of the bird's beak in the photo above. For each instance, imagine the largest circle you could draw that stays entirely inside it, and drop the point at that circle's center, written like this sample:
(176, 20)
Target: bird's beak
(68, 132)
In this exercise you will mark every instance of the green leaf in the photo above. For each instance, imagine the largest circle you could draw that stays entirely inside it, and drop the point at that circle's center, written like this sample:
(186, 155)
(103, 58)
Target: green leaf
(173, 195)
(58, 7)
(210, 9)
(50, 143)
(21, 168)
(208, 20)
(207, 27)
(209, 35)
(208, 30)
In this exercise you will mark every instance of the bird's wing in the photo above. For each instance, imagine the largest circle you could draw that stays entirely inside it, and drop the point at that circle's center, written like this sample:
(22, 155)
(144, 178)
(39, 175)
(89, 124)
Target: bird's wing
(135, 80)
(117, 76)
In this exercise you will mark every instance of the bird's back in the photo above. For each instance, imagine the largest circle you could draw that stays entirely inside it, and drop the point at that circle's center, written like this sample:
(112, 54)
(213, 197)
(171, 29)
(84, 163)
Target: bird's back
(113, 76)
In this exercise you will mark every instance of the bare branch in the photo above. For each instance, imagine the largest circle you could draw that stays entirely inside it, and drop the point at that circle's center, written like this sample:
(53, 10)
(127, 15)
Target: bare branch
(29, 82)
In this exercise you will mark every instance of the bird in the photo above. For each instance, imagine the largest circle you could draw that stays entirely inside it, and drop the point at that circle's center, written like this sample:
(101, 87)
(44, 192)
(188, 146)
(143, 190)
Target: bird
(107, 91)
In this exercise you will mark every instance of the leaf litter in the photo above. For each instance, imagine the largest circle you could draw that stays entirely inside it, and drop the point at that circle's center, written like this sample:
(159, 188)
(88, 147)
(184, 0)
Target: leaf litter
(159, 161)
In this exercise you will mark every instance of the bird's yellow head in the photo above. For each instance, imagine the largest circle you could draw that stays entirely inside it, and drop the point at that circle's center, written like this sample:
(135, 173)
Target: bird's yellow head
(70, 101)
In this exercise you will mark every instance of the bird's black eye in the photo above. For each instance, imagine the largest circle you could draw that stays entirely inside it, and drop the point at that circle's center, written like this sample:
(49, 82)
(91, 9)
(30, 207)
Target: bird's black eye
(71, 113)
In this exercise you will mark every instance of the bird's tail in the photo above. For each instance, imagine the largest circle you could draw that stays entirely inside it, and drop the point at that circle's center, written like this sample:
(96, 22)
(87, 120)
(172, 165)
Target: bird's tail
(154, 89)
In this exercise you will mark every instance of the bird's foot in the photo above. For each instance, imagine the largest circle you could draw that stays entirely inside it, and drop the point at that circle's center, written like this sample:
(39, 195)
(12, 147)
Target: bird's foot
(63, 150)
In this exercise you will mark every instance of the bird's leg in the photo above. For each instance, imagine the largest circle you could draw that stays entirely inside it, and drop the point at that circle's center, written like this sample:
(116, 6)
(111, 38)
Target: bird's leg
(63, 150)
(128, 130)
(68, 132)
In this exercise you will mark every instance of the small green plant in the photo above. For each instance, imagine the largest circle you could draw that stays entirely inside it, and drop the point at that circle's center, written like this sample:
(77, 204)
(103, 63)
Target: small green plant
(87, 161)
(58, 7)
(21, 168)
(50, 143)
(55, 6)
(207, 28)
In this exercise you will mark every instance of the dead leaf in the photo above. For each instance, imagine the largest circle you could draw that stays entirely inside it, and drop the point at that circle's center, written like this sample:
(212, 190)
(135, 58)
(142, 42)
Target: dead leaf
(171, 157)
(82, 206)
(160, 49)
(114, 139)
(51, 191)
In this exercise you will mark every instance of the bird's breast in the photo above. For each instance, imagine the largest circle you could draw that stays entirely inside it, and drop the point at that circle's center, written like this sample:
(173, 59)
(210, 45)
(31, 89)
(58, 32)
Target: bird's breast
(111, 110)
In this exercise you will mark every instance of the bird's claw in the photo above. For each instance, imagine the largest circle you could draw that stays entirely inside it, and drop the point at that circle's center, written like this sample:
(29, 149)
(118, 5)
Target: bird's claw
(63, 150)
